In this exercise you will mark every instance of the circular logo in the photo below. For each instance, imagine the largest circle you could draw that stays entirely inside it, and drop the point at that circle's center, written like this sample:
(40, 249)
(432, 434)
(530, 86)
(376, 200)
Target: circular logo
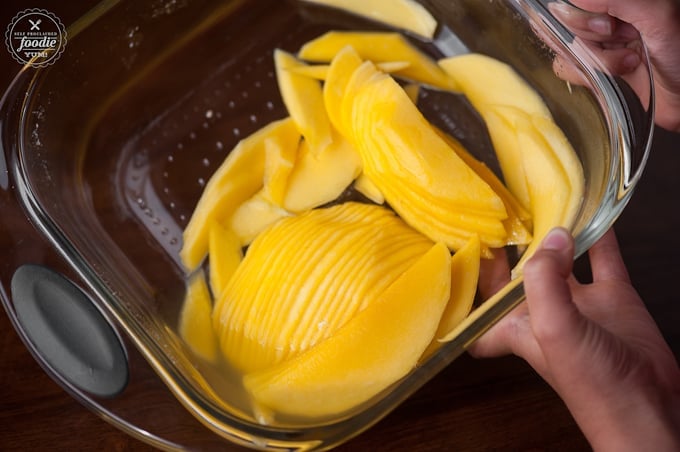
(36, 37)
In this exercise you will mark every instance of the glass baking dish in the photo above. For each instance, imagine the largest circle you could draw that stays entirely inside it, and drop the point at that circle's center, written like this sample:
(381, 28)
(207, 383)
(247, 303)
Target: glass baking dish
(106, 152)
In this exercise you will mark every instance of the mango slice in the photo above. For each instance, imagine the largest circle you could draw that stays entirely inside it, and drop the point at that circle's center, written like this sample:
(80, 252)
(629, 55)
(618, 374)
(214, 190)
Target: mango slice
(278, 164)
(253, 216)
(319, 179)
(225, 255)
(306, 276)
(379, 47)
(238, 178)
(405, 14)
(487, 82)
(343, 66)
(465, 264)
(320, 71)
(554, 178)
(366, 187)
(373, 350)
(303, 99)
(195, 319)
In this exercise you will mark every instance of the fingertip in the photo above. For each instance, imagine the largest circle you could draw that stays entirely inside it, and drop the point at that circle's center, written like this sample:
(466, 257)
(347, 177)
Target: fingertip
(557, 239)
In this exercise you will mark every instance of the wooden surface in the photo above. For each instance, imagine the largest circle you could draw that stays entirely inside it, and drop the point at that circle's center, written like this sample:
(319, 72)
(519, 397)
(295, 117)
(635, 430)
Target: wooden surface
(495, 404)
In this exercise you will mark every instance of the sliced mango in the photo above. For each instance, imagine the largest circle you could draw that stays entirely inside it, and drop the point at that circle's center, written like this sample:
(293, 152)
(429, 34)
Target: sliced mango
(303, 98)
(306, 276)
(465, 265)
(487, 81)
(319, 179)
(320, 71)
(421, 177)
(555, 191)
(379, 47)
(373, 350)
(405, 14)
(253, 216)
(366, 187)
(518, 216)
(238, 178)
(225, 254)
(278, 164)
(195, 325)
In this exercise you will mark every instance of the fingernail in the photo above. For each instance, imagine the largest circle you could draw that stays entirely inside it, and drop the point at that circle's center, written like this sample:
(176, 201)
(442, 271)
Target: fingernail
(560, 10)
(631, 61)
(601, 25)
(556, 239)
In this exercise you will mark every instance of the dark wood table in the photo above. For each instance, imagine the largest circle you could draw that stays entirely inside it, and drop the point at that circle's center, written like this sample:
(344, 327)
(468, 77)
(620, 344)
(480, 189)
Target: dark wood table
(498, 404)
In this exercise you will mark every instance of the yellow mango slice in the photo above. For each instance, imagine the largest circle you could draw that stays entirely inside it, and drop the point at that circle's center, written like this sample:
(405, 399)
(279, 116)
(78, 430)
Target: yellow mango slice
(373, 350)
(320, 71)
(238, 178)
(303, 98)
(306, 276)
(253, 216)
(554, 178)
(405, 14)
(278, 164)
(465, 265)
(414, 168)
(380, 47)
(195, 324)
(319, 179)
(366, 187)
(343, 66)
(487, 81)
(225, 254)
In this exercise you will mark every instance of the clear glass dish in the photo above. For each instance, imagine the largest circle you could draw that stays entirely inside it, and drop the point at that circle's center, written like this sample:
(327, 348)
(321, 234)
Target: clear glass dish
(106, 152)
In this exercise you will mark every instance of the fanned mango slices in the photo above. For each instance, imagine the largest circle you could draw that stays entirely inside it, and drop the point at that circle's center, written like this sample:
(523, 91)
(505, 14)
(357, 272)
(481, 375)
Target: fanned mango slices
(405, 14)
(239, 177)
(518, 216)
(421, 177)
(306, 276)
(378, 346)
(380, 47)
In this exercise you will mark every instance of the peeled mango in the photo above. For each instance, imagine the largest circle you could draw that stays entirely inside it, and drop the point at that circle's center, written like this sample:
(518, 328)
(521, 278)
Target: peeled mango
(378, 346)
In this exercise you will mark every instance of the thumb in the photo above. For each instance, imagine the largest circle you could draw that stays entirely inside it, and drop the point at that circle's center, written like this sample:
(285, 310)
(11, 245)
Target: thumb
(556, 322)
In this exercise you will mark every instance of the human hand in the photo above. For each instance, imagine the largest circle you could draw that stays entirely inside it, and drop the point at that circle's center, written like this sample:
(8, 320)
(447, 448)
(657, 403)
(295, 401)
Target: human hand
(614, 30)
(596, 345)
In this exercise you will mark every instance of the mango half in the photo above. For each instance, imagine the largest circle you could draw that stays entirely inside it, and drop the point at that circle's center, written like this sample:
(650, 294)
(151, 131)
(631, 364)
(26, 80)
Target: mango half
(305, 277)
(373, 350)
(420, 176)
